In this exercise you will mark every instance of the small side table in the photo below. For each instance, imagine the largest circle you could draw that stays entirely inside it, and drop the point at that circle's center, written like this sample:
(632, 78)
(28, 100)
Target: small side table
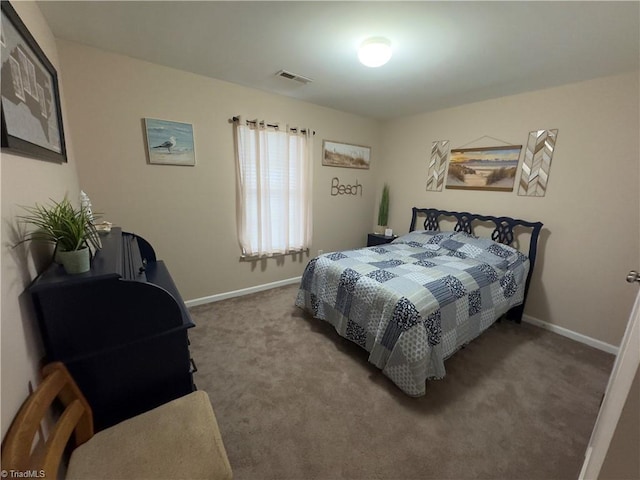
(374, 239)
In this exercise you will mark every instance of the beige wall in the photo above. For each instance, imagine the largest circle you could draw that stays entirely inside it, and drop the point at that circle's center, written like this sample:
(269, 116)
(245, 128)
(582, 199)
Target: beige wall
(591, 209)
(24, 182)
(188, 213)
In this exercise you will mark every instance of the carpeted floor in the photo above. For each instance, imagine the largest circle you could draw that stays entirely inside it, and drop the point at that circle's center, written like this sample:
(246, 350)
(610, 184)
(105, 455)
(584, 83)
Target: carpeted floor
(296, 401)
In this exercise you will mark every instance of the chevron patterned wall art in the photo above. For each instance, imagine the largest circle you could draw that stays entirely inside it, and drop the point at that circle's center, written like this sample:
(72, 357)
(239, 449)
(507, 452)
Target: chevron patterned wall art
(537, 163)
(437, 164)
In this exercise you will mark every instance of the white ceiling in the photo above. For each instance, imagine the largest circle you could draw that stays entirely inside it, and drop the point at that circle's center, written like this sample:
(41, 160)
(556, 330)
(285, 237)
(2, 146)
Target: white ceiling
(445, 53)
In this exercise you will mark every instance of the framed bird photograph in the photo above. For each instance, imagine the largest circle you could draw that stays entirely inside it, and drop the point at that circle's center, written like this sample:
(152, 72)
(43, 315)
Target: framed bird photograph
(170, 143)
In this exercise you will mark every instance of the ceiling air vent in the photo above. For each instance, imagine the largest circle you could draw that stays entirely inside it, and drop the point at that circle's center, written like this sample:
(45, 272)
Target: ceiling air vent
(293, 76)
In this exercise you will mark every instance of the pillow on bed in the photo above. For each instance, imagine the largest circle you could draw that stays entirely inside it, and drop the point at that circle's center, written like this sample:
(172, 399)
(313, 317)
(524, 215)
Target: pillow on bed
(464, 245)
(424, 237)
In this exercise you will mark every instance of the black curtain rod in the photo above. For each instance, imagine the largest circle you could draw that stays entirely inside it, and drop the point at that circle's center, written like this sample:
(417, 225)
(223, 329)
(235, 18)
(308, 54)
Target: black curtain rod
(255, 122)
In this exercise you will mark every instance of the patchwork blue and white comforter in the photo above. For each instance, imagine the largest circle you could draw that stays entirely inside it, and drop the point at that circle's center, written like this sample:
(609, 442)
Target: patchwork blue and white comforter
(414, 302)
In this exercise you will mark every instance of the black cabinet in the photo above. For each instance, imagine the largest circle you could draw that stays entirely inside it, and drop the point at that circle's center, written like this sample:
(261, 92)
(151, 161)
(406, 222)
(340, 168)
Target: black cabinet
(121, 329)
(374, 239)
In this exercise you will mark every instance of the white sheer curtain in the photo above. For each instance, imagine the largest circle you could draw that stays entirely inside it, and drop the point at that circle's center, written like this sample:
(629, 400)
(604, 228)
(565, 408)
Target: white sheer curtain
(273, 180)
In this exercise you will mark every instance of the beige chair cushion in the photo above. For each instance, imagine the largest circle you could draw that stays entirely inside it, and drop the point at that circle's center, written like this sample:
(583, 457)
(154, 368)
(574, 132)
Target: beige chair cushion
(177, 440)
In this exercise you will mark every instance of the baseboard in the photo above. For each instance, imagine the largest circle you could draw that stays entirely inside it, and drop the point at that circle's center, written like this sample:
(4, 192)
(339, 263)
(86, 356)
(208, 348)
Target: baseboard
(592, 342)
(241, 292)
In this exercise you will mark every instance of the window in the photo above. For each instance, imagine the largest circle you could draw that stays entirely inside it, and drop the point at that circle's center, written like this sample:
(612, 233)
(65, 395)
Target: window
(274, 189)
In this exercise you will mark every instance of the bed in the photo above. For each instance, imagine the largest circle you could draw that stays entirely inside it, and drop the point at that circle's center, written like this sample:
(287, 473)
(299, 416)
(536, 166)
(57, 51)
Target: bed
(414, 302)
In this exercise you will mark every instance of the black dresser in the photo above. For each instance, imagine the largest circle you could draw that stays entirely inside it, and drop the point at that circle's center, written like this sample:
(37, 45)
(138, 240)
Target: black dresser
(121, 329)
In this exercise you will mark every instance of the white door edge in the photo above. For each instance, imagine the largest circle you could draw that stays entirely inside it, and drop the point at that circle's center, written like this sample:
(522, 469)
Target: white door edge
(622, 374)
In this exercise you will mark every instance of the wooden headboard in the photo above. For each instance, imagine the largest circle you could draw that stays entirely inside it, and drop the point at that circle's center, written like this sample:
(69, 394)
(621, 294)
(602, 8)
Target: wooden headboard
(502, 233)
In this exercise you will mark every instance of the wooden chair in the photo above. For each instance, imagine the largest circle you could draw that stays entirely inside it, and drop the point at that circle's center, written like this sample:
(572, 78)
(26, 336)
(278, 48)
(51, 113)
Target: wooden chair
(177, 440)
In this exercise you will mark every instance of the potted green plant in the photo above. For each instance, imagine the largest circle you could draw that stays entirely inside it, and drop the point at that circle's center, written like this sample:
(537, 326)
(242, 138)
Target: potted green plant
(383, 210)
(70, 229)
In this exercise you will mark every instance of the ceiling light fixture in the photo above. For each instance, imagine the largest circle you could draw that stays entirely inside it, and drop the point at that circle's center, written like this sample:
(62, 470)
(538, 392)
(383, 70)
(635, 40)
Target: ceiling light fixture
(375, 52)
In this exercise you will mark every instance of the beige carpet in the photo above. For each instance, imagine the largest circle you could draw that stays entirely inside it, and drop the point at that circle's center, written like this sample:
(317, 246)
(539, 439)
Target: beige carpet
(296, 401)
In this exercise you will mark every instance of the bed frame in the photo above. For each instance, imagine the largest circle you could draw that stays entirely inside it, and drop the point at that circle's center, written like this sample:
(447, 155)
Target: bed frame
(502, 233)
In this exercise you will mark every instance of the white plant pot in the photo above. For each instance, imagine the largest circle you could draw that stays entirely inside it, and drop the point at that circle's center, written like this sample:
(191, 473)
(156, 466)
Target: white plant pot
(75, 261)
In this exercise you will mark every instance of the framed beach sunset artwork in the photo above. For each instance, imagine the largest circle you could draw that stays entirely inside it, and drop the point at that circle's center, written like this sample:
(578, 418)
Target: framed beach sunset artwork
(487, 168)
(170, 143)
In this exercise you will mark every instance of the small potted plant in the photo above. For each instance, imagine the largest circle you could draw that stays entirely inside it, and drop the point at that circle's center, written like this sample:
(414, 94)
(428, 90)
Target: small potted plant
(383, 211)
(71, 230)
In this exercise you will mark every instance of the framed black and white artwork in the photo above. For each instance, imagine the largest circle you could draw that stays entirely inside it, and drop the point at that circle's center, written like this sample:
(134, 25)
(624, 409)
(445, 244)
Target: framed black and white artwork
(170, 143)
(31, 110)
